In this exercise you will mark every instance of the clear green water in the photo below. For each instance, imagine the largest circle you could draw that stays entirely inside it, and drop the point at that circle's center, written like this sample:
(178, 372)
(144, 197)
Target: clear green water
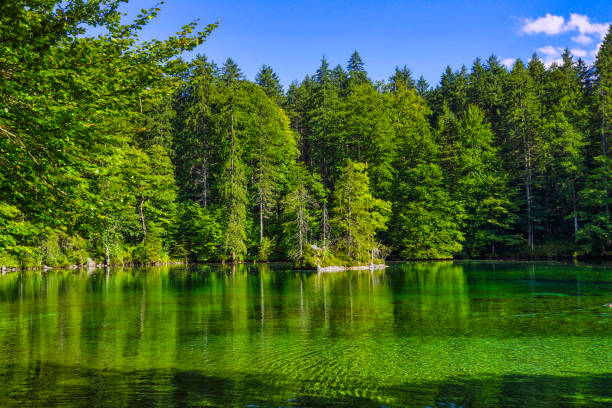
(415, 335)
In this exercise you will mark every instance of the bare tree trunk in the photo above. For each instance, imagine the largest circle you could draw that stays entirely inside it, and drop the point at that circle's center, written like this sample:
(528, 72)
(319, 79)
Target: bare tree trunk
(204, 181)
(604, 148)
(232, 135)
(528, 197)
(527, 158)
(232, 143)
(261, 193)
(261, 231)
(300, 224)
(325, 225)
(106, 256)
(142, 218)
(575, 210)
(372, 254)
(350, 224)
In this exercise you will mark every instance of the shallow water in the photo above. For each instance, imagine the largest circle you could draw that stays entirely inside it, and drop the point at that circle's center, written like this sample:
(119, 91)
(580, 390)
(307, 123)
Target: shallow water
(473, 334)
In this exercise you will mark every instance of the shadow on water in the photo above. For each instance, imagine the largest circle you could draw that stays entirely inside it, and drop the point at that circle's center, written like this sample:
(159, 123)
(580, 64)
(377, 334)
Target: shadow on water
(51, 385)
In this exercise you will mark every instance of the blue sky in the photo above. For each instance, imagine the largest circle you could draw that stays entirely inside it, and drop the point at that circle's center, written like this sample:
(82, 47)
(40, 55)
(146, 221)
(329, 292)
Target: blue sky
(292, 36)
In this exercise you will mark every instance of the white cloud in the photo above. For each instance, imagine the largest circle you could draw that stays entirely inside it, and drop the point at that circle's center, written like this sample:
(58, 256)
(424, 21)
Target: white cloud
(582, 39)
(544, 25)
(583, 25)
(550, 51)
(508, 62)
(552, 25)
(586, 33)
(551, 55)
(549, 61)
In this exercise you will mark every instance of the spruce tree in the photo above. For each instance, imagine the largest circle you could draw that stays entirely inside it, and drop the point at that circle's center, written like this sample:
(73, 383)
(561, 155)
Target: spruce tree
(597, 230)
(603, 65)
(233, 180)
(269, 81)
(357, 215)
(356, 69)
(523, 127)
(403, 76)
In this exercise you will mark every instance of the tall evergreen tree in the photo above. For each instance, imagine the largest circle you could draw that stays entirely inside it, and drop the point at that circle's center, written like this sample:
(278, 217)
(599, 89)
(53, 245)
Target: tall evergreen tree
(357, 215)
(269, 81)
(523, 126)
(598, 225)
(234, 179)
(356, 69)
(403, 76)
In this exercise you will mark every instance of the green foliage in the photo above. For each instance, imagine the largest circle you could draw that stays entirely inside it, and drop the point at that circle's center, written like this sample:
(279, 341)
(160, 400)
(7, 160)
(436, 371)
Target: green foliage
(117, 150)
(303, 208)
(264, 249)
(428, 220)
(60, 249)
(72, 114)
(357, 215)
(150, 251)
(476, 181)
(199, 232)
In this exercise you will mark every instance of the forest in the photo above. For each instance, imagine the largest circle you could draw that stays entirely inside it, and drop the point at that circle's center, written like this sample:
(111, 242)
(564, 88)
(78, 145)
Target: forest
(122, 151)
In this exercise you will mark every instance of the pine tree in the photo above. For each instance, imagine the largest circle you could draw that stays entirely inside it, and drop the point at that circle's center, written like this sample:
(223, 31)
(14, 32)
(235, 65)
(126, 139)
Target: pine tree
(603, 64)
(269, 81)
(523, 126)
(596, 197)
(565, 131)
(234, 179)
(272, 153)
(403, 76)
(422, 87)
(356, 69)
(479, 185)
(361, 130)
(302, 208)
(196, 105)
(357, 215)
(323, 74)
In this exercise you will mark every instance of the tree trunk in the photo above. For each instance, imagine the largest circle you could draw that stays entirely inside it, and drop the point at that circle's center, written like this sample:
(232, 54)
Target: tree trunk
(527, 159)
(261, 231)
(575, 210)
(106, 256)
(204, 181)
(528, 196)
(372, 256)
(350, 224)
(325, 226)
(300, 224)
(604, 148)
(142, 218)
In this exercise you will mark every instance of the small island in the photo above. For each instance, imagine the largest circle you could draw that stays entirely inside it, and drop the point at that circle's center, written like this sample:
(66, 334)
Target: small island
(349, 238)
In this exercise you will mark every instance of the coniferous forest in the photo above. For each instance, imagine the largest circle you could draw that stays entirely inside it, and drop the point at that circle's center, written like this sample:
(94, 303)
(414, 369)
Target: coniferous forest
(121, 151)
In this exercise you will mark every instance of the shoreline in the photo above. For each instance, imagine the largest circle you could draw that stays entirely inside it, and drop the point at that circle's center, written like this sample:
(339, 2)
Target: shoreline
(593, 260)
(370, 267)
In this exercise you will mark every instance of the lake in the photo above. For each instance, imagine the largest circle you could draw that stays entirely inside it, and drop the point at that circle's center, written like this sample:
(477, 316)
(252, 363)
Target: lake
(444, 334)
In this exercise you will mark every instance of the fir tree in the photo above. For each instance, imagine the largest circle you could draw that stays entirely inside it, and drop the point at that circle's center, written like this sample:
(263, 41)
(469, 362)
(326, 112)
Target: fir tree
(357, 215)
